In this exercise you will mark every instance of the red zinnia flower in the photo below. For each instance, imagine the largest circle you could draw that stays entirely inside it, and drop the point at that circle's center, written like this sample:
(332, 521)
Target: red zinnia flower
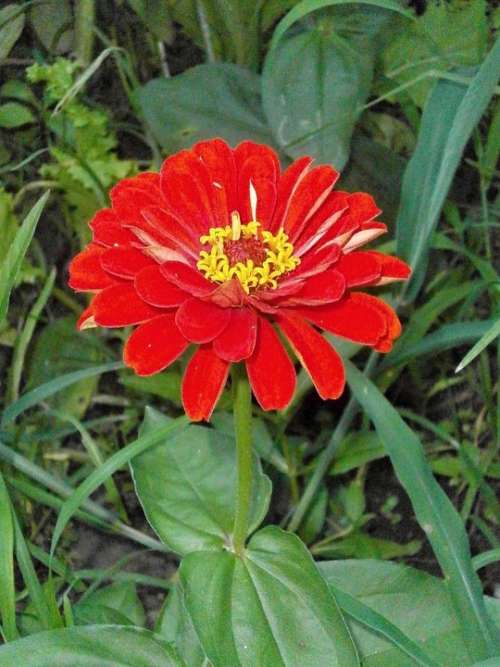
(220, 247)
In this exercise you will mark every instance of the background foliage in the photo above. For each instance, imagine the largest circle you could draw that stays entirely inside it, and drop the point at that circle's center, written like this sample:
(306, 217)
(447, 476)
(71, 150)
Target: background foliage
(103, 487)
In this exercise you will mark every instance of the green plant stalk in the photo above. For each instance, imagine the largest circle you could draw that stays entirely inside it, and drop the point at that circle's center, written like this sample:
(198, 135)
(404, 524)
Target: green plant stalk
(84, 30)
(243, 429)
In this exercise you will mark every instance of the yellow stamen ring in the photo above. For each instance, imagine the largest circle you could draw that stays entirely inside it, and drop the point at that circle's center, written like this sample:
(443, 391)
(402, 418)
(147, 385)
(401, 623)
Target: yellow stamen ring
(216, 266)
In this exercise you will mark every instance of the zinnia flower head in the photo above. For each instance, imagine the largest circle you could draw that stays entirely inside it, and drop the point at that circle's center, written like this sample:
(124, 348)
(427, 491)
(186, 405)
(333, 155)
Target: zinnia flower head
(220, 250)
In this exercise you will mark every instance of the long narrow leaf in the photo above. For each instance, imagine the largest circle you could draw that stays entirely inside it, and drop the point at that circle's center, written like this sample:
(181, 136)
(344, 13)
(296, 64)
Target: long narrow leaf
(114, 463)
(489, 335)
(451, 113)
(12, 265)
(382, 626)
(47, 389)
(7, 587)
(435, 513)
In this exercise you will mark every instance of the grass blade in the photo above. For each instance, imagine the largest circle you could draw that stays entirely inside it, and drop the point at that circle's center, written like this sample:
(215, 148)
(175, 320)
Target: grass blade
(102, 473)
(382, 626)
(12, 265)
(47, 389)
(492, 332)
(451, 113)
(434, 512)
(7, 586)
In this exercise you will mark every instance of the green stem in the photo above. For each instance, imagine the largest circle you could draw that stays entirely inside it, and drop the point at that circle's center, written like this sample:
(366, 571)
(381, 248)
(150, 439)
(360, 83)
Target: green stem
(243, 430)
(84, 30)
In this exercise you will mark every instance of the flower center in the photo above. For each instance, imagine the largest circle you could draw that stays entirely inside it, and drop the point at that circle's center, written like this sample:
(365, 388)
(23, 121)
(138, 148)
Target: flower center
(257, 258)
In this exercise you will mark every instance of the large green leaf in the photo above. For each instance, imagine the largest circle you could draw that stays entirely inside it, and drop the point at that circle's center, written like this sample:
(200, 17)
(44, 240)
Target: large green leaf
(91, 646)
(187, 486)
(416, 603)
(313, 85)
(270, 607)
(12, 264)
(451, 113)
(434, 512)
(205, 101)
(104, 604)
(11, 26)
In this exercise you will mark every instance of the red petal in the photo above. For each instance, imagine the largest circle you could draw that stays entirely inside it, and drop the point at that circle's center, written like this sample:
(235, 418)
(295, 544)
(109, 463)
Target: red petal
(131, 195)
(393, 325)
(322, 288)
(120, 305)
(287, 185)
(201, 321)
(86, 273)
(86, 319)
(359, 268)
(355, 317)
(257, 165)
(237, 341)
(318, 229)
(393, 268)
(203, 383)
(317, 356)
(186, 278)
(187, 189)
(166, 226)
(367, 233)
(311, 192)
(219, 160)
(154, 345)
(151, 286)
(125, 262)
(270, 370)
(107, 230)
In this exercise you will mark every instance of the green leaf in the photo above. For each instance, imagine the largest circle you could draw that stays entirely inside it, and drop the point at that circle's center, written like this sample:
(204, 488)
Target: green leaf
(434, 512)
(13, 114)
(451, 113)
(175, 626)
(102, 605)
(7, 584)
(187, 486)
(305, 7)
(448, 34)
(11, 26)
(156, 17)
(355, 450)
(44, 391)
(271, 607)
(412, 601)
(492, 332)
(53, 24)
(91, 646)
(12, 264)
(313, 86)
(360, 545)
(205, 101)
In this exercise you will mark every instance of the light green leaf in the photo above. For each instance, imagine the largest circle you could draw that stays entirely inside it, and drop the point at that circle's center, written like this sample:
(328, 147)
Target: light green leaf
(434, 512)
(12, 264)
(11, 26)
(415, 603)
(355, 450)
(205, 101)
(270, 607)
(187, 486)
(360, 545)
(451, 113)
(13, 114)
(91, 646)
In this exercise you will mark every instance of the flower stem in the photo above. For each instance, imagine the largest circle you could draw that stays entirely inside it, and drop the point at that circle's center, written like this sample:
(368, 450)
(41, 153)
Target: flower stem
(243, 430)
